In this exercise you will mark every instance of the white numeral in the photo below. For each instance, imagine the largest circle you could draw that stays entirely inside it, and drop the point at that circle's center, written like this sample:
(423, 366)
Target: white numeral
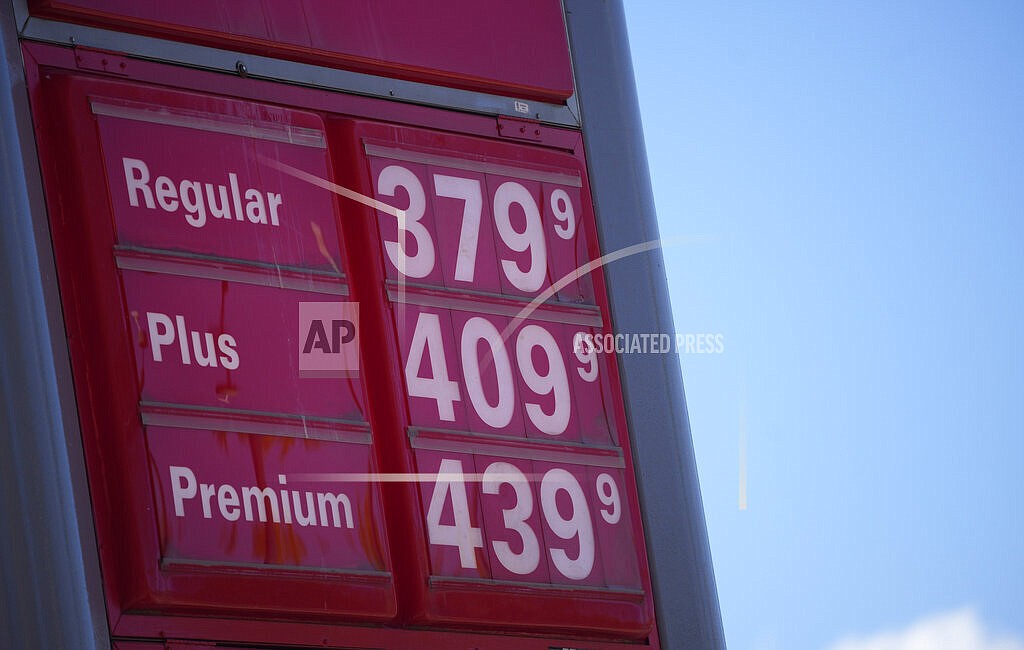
(500, 414)
(608, 494)
(561, 207)
(526, 561)
(578, 525)
(585, 354)
(462, 534)
(438, 387)
(555, 381)
(531, 238)
(422, 263)
(468, 190)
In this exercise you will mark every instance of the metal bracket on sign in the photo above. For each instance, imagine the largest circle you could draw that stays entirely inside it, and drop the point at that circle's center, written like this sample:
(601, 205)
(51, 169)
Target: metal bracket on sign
(519, 129)
(100, 61)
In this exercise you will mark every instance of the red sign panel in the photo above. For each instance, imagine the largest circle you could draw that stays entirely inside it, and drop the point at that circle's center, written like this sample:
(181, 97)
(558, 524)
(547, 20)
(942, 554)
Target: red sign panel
(198, 181)
(517, 49)
(185, 261)
(207, 341)
(244, 499)
(485, 250)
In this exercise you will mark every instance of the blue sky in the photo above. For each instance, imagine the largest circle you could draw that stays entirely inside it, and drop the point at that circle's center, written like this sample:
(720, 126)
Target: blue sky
(859, 172)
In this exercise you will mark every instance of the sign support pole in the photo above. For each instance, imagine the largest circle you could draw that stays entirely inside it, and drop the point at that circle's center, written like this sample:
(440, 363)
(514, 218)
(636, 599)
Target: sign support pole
(51, 595)
(685, 595)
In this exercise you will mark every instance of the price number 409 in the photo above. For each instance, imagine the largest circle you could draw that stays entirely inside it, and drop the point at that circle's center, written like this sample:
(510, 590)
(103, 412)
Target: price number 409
(428, 342)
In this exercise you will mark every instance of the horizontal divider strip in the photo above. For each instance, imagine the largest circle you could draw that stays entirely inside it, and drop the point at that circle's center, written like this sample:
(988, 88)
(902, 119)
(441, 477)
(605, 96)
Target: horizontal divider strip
(463, 582)
(522, 448)
(468, 164)
(491, 303)
(358, 574)
(229, 270)
(255, 422)
(212, 122)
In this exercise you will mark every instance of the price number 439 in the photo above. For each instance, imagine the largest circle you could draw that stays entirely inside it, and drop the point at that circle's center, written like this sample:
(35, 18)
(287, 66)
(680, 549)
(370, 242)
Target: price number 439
(462, 534)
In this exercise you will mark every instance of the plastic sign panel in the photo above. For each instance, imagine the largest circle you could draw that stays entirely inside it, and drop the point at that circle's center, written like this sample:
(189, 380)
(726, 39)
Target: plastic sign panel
(208, 496)
(515, 49)
(187, 261)
(486, 266)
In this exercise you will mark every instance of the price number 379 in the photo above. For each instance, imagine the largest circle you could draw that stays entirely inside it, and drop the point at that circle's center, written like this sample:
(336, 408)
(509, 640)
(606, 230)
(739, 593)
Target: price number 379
(517, 221)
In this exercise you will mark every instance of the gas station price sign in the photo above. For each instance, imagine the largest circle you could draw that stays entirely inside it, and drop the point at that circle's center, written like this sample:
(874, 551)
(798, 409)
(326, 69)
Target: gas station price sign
(471, 475)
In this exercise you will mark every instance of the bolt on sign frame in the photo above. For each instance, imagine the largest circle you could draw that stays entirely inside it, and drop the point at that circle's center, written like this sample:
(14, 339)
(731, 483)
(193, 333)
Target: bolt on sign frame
(478, 476)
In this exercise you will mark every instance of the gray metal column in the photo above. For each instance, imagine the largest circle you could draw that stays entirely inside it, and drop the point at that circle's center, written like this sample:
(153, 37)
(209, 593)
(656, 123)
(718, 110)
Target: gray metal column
(51, 595)
(677, 543)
